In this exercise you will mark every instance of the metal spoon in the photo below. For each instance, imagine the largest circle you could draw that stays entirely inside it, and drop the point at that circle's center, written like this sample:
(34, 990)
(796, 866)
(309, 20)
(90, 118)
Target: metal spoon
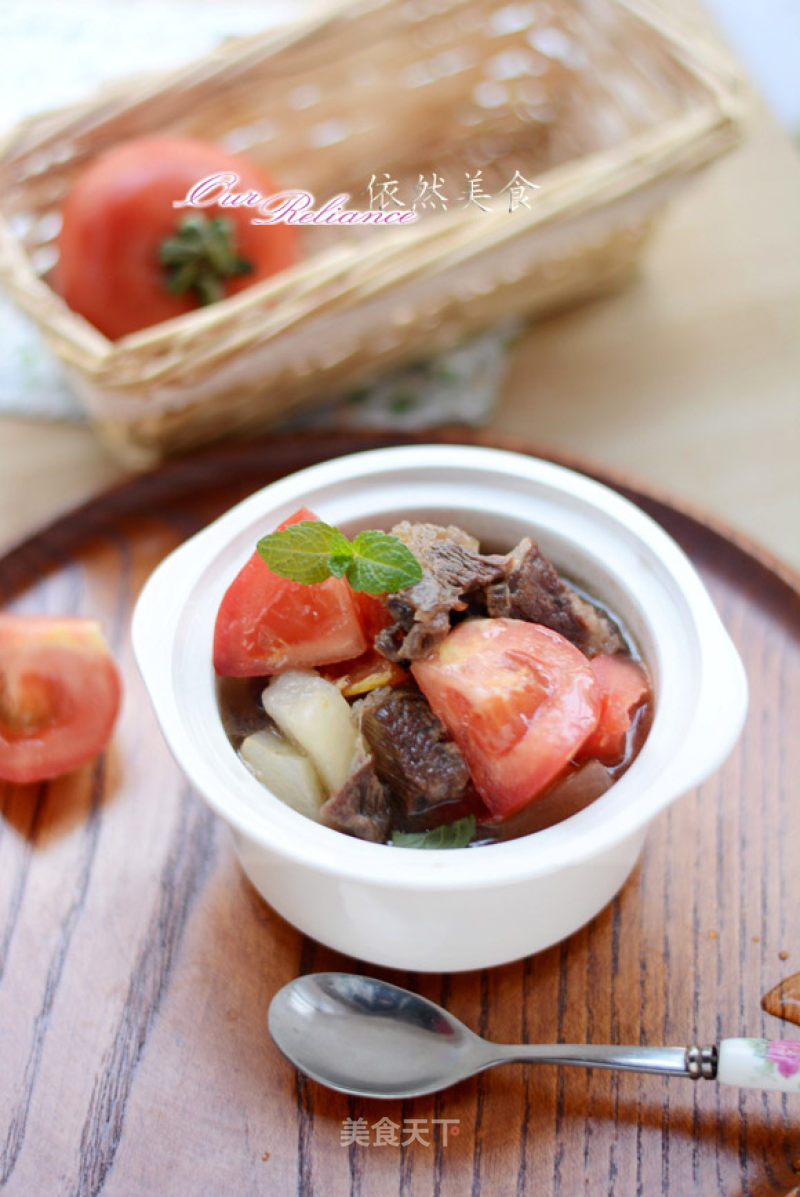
(368, 1038)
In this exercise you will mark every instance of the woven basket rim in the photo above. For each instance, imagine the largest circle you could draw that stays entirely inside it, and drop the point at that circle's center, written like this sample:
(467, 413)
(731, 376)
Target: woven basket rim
(596, 178)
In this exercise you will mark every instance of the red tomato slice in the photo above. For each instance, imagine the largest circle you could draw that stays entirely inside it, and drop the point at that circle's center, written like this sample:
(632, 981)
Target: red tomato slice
(268, 624)
(59, 695)
(518, 699)
(119, 213)
(624, 687)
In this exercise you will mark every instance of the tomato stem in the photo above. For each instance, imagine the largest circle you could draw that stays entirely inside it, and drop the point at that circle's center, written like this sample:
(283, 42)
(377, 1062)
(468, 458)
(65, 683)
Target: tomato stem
(200, 257)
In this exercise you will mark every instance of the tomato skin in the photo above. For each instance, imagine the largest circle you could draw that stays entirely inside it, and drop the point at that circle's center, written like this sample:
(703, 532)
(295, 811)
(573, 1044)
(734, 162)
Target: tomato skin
(59, 695)
(518, 699)
(120, 211)
(268, 624)
(624, 686)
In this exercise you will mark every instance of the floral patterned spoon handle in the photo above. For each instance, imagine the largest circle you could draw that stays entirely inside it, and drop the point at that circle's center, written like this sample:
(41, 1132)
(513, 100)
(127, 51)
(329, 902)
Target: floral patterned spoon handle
(760, 1063)
(748, 1063)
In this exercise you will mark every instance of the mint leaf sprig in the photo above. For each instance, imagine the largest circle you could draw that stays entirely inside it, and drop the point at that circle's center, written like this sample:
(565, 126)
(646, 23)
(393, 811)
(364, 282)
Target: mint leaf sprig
(311, 551)
(447, 835)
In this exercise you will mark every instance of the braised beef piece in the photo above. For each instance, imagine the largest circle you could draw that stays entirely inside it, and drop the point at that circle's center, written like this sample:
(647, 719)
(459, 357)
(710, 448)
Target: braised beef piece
(523, 584)
(413, 775)
(362, 807)
(452, 569)
(599, 633)
(413, 753)
(531, 589)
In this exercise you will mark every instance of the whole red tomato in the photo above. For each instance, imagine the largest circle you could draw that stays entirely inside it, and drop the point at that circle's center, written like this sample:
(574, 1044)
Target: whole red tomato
(113, 266)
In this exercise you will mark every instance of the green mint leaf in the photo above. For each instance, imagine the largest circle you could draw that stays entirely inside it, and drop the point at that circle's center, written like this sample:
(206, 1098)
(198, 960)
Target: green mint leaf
(304, 551)
(448, 835)
(381, 563)
(311, 551)
(339, 564)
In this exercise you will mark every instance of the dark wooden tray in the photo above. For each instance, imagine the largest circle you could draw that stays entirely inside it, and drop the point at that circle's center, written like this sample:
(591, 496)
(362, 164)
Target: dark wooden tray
(136, 963)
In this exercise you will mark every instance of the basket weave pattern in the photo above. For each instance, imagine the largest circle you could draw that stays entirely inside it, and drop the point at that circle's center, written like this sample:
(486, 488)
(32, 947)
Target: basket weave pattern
(605, 104)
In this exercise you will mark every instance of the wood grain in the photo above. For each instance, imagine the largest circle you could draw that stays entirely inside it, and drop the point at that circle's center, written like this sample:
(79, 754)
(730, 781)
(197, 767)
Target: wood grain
(136, 963)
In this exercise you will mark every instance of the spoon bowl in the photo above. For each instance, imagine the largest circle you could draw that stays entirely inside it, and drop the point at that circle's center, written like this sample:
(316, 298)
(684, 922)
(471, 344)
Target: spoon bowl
(365, 1037)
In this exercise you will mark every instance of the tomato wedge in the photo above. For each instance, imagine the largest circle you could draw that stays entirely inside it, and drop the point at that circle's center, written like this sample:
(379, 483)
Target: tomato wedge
(268, 624)
(59, 695)
(517, 698)
(625, 688)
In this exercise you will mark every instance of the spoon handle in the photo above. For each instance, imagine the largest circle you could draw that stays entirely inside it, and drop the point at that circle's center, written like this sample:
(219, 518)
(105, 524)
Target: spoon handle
(748, 1063)
(760, 1064)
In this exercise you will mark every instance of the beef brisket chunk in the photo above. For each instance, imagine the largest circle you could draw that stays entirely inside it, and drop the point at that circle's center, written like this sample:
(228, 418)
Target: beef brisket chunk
(361, 807)
(413, 753)
(531, 589)
(456, 578)
(599, 633)
(452, 569)
(422, 538)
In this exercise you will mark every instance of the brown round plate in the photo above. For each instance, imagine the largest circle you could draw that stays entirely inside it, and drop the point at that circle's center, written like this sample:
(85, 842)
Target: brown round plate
(136, 963)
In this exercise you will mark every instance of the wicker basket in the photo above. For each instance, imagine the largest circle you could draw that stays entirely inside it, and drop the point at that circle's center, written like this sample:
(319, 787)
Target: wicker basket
(606, 104)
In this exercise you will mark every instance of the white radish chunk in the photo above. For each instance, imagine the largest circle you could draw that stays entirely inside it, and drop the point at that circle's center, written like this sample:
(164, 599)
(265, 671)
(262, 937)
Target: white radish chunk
(285, 770)
(312, 713)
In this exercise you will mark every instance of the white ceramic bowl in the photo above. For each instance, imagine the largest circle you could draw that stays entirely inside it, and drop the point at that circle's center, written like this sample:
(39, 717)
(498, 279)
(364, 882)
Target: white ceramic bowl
(464, 908)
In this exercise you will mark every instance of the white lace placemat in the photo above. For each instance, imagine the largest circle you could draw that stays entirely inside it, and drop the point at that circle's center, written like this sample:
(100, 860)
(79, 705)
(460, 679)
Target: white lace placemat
(56, 53)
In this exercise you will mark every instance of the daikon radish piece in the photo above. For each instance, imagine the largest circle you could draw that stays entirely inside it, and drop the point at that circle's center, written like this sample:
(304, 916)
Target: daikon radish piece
(285, 770)
(312, 713)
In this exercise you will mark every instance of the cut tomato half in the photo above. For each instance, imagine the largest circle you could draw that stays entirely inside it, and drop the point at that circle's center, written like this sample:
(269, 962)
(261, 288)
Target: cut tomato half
(59, 695)
(518, 699)
(268, 624)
